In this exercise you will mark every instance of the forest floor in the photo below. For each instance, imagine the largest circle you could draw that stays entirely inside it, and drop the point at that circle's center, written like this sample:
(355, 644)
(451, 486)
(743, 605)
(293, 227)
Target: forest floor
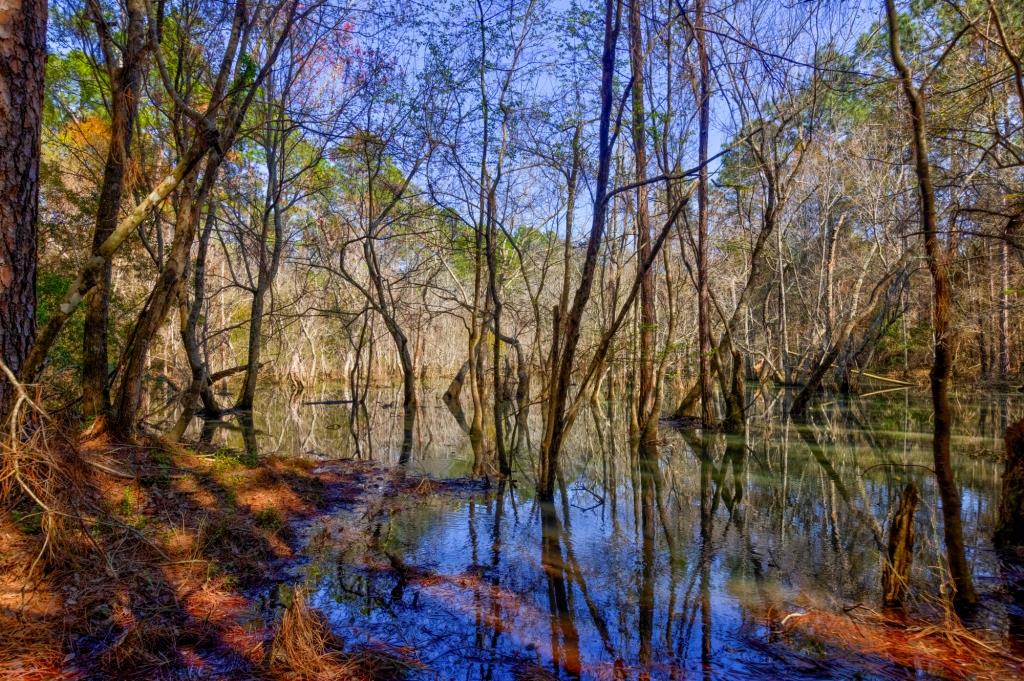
(171, 567)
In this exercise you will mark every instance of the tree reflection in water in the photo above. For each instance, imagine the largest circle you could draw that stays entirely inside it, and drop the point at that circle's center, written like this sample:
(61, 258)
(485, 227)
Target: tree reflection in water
(705, 539)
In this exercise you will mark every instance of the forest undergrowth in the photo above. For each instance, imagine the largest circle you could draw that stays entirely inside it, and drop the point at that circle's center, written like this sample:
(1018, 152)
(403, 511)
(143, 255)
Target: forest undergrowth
(159, 560)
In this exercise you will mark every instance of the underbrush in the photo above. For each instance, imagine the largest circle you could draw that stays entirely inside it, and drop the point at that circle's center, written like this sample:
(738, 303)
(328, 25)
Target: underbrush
(139, 560)
(888, 643)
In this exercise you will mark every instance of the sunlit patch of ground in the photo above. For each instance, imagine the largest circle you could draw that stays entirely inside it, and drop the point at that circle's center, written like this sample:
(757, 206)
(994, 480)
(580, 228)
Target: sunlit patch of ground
(30, 609)
(172, 567)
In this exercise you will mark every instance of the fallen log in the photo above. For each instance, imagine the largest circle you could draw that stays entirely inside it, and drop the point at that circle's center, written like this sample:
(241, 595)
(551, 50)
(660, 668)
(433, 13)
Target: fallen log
(883, 379)
(224, 373)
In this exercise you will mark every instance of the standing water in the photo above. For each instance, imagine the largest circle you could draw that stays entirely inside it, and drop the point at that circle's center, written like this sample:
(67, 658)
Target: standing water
(691, 564)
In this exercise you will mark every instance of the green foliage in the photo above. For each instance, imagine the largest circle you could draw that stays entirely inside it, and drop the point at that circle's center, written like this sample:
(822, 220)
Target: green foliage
(28, 522)
(268, 519)
(129, 501)
(227, 460)
(461, 239)
(51, 287)
(73, 87)
(247, 72)
(130, 509)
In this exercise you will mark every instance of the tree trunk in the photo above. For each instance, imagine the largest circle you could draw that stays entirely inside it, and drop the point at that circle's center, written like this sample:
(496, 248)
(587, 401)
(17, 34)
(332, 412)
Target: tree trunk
(201, 386)
(154, 313)
(555, 422)
(1004, 310)
(965, 597)
(453, 394)
(499, 402)
(647, 419)
(380, 304)
(803, 398)
(735, 399)
(900, 555)
(408, 391)
(474, 354)
(703, 297)
(125, 82)
(22, 65)
(787, 378)
(1009, 534)
(197, 360)
(248, 394)
(267, 267)
(161, 299)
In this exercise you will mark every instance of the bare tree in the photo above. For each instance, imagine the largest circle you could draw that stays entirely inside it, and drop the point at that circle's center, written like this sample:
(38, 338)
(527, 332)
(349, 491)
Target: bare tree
(942, 365)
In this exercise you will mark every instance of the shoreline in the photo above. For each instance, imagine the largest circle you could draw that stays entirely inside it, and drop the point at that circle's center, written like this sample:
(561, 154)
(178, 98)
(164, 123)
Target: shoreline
(204, 541)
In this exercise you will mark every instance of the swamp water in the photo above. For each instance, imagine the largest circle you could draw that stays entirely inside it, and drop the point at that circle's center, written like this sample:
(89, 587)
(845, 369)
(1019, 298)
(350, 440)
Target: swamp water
(683, 567)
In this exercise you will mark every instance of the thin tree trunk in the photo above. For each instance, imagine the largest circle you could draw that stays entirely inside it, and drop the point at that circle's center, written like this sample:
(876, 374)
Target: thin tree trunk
(1004, 310)
(268, 264)
(703, 298)
(256, 314)
(900, 554)
(942, 367)
(201, 386)
(158, 306)
(475, 357)
(554, 431)
(248, 394)
(125, 82)
(647, 419)
(197, 358)
(783, 320)
(1009, 533)
(499, 402)
(409, 401)
(452, 395)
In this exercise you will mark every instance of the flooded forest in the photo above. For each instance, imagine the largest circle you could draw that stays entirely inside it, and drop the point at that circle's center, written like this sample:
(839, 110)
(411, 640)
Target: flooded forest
(511, 339)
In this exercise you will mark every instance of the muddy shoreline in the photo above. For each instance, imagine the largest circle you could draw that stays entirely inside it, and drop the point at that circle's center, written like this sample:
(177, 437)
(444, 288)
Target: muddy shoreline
(207, 544)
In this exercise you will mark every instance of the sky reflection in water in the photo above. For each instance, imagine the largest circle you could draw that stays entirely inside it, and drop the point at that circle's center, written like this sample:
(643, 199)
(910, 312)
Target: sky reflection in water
(680, 567)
